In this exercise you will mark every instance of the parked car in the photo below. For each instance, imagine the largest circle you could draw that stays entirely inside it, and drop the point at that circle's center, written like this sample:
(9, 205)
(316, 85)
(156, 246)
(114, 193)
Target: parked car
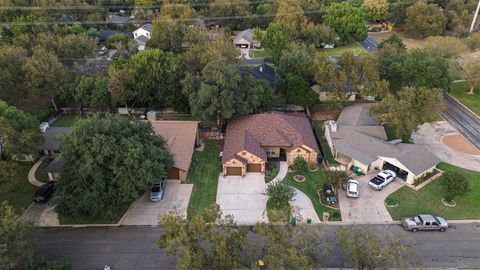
(425, 223)
(157, 191)
(44, 126)
(382, 179)
(353, 188)
(44, 192)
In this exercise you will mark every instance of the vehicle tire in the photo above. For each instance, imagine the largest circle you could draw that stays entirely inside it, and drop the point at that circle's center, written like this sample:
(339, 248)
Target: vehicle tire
(414, 230)
(442, 229)
(380, 189)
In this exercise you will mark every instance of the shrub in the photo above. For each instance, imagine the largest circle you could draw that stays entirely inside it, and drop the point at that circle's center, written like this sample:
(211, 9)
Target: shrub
(271, 175)
(279, 194)
(336, 215)
(391, 201)
(300, 164)
(337, 179)
(454, 184)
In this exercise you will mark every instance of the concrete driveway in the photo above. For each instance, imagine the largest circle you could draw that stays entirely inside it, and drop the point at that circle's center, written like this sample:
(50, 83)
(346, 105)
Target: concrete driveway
(145, 212)
(369, 208)
(242, 198)
(431, 135)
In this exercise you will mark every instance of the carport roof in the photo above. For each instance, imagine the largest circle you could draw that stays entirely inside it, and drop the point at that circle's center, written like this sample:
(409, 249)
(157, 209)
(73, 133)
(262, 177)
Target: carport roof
(180, 137)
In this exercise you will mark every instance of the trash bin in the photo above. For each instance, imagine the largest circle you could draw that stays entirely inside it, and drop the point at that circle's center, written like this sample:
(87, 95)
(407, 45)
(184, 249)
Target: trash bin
(309, 219)
(293, 221)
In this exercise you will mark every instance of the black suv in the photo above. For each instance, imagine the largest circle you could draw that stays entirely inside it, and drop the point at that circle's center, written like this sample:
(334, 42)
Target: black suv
(44, 192)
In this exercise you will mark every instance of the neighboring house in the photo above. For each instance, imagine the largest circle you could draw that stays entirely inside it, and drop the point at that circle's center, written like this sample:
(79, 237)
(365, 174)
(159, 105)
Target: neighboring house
(104, 34)
(181, 138)
(323, 90)
(358, 139)
(252, 140)
(244, 40)
(142, 35)
(118, 20)
(54, 168)
(51, 144)
(266, 73)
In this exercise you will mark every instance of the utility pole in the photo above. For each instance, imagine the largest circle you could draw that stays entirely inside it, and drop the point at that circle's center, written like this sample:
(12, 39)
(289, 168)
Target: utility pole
(475, 17)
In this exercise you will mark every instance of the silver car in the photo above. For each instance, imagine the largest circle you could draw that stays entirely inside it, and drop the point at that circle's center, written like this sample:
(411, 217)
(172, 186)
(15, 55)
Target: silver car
(425, 223)
(157, 191)
(353, 188)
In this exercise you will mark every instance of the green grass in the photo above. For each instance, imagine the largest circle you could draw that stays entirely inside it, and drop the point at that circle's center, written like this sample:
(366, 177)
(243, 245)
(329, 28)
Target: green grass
(278, 213)
(66, 120)
(19, 192)
(320, 131)
(203, 174)
(460, 92)
(314, 181)
(41, 174)
(279, 99)
(266, 53)
(427, 200)
(455, 72)
(356, 48)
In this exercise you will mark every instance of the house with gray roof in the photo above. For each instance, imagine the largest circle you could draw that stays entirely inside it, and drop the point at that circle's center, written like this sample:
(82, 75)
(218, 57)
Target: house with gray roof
(51, 143)
(244, 40)
(357, 139)
(142, 35)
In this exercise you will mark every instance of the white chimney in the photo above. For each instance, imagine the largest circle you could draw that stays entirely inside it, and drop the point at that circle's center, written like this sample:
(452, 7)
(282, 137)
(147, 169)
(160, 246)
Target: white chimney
(152, 116)
(333, 126)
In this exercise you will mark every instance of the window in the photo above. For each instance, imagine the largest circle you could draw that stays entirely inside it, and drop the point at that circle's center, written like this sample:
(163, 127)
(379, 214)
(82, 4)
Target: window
(271, 151)
(427, 223)
(434, 224)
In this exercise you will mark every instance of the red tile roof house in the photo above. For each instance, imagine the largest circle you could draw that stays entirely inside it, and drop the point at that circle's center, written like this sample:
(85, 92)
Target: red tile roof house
(181, 138)
(251, 140)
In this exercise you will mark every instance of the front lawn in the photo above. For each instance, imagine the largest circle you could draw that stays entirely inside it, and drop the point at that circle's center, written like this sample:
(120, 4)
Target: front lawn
(66, 120)
(278, 213)
(355, 48)
(19, 192)
(320, 131)
(460, 92)
(265, 53)
(428, 199)
(72, 220)
(314, 181)
(204, 174)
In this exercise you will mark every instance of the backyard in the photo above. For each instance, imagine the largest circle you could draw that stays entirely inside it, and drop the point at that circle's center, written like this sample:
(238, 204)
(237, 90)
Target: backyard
(319, 130)
(460, 91)
(314, 181)
(203, 174)
(428, 199)
(19, 192)
(66, 120)
(265, 53)
(356, 48)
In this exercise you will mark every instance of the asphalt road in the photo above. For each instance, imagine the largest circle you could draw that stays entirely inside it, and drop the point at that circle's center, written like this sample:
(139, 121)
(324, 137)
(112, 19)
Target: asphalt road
(463, 120)
(135, 247)
(370, 44)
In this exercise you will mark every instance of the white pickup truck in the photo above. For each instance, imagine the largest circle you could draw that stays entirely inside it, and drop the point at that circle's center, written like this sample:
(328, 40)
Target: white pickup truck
(382, 179)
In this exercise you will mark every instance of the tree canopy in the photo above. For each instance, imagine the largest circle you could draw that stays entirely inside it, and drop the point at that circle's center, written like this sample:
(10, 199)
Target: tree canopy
(347, 21)
(375, 10)
(425, 20)
(222, 90)
(107, 161)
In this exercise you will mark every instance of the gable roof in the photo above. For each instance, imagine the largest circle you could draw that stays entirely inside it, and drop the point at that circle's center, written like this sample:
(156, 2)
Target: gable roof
(244, 35)
(147, 27)
(56, 165)
(266, 73)
(52, 138)
(181, 138)
(105, 33)
(142, 39)
(254, 132)
(360, 136)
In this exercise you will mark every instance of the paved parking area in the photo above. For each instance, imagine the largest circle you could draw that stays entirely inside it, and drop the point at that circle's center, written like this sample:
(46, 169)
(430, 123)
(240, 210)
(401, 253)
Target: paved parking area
(242, 197)
(145, 212)
(369, 207)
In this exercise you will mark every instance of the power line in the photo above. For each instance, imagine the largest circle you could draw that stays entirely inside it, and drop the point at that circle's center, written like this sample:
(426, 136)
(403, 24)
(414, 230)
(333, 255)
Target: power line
(255, 16)
(217, 3)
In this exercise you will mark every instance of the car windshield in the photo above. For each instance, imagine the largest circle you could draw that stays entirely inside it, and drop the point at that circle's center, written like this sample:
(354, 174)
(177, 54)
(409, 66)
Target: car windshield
(156, 189)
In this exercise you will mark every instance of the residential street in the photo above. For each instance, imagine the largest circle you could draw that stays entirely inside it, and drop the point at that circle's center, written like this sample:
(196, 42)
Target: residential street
(370, 44)
(135, 247)
(463, 120)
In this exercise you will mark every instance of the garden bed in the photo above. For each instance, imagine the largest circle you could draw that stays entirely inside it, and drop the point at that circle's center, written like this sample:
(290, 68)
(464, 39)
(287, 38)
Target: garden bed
(299, 178)
(426, 177)
(272, 168)
(323, 200)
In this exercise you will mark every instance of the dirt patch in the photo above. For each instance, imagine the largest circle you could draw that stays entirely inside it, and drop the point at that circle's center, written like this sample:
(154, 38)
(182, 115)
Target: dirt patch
(325, 115)
(458, 143)
(411, 43)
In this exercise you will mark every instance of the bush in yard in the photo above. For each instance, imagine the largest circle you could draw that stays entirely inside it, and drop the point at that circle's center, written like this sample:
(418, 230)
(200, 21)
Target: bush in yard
(107, 162)
(337, 179)
(454, 184)
(280, 194)
(300, 164)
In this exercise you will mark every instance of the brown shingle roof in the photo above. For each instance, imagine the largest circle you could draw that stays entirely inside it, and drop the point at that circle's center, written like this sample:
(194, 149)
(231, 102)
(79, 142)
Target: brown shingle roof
(254, 132)
(180, 137)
